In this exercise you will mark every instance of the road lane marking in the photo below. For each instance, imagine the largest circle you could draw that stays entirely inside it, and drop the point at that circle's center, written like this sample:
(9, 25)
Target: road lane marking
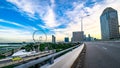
(105, 48)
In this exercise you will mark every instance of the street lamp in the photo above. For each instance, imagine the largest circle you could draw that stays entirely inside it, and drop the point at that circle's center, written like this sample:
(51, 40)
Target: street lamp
(82, 21)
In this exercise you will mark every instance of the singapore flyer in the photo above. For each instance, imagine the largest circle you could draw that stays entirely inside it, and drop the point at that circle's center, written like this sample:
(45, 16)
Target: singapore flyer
(39, 36)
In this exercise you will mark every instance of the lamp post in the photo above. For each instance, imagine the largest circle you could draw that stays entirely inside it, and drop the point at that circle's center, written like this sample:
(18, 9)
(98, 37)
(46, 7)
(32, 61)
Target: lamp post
(82, 21)
(82, 27)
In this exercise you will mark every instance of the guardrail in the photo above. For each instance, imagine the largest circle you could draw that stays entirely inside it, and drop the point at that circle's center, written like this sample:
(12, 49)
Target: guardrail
(24, 59)
(68, 60)
(40, 60)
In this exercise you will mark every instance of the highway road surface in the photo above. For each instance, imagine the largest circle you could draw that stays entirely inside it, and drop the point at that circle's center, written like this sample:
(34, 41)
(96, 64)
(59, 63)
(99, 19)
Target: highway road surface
(102, 55)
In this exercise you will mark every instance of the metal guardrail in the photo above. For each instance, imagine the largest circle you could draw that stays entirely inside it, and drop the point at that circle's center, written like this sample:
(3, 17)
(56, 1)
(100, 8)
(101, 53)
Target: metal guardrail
(24, 59)
(40, 60)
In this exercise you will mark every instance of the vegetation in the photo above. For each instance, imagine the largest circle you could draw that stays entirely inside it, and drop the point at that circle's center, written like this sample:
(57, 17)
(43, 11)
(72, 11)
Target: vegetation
(2, 56)
(29, 47)
(49, 46)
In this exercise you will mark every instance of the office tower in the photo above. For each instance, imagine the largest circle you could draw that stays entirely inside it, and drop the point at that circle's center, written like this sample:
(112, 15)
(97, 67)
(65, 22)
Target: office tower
(109, 24)
(53, 39)
(78, 36)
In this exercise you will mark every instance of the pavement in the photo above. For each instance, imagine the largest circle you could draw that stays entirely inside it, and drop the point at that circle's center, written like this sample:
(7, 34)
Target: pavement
(102, 55)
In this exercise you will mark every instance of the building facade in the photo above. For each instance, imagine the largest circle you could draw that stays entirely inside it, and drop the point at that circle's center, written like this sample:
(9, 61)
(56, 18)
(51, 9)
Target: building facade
(66, 39)
(53, 39)
(78, 36)
(109, 24)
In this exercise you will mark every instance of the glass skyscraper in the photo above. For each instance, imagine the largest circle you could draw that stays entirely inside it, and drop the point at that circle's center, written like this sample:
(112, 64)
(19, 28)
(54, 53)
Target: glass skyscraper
(109, 24)
(53, 39)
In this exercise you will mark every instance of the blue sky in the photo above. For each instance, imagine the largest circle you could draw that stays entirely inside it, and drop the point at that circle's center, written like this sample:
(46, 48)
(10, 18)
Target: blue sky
(20, 18)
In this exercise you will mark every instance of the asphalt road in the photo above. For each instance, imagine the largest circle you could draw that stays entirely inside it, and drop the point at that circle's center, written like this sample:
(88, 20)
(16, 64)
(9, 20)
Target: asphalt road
(102, 55)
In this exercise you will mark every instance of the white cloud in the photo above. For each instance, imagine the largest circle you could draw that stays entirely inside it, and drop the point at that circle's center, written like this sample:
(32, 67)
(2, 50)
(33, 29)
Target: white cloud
(49, 19)
(14, 35)
(21, 4)
(42, 8)
(10, 22)
(9, 34)
(17, 24)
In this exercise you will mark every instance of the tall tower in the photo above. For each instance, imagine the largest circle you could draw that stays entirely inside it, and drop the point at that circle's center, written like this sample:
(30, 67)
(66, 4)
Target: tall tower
(109, 24)
(53, 39)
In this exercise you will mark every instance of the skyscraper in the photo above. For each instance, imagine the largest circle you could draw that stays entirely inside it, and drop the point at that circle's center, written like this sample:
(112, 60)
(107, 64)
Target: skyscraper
(78, 36)
(53, 39)
(109, 24)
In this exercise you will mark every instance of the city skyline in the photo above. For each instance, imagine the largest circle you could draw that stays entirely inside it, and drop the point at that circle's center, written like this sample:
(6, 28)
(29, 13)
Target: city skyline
(20, 18)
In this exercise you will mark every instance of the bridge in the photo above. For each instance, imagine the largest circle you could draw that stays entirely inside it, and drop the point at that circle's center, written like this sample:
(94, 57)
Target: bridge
(101, 54)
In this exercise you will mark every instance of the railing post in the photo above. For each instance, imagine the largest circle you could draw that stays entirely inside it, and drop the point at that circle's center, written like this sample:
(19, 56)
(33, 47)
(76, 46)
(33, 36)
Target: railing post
(37, 66)
(51, 60)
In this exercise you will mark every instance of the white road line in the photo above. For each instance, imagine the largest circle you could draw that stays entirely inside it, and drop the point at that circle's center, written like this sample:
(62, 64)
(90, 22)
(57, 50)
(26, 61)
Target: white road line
(105, 48)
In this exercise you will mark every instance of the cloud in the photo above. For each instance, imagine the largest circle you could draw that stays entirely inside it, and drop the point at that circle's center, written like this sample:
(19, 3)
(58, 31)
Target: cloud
(17, 24)
(13, 23)
(14, 35)
(49, 19)
(21, 4)
(42, 8)
(9, 34)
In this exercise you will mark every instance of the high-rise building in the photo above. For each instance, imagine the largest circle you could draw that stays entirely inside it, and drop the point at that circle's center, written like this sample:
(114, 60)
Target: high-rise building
(66, 39)
(109, 24)
(78, 36)
(89, 38)
(53, 39)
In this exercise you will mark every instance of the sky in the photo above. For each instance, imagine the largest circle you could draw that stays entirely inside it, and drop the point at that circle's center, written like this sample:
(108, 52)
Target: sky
(19, 19)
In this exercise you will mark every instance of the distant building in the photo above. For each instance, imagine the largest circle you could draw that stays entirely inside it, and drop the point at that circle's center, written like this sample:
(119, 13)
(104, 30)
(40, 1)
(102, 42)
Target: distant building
(53, 39)
(78, 36)
(89, 38)
(109, 24)
(66, 39)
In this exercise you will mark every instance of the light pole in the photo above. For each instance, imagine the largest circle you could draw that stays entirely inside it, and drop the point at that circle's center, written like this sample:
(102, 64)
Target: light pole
(82, 21)
(82, 32)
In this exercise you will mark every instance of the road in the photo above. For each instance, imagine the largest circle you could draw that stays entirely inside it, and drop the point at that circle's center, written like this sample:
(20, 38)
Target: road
(102, 55)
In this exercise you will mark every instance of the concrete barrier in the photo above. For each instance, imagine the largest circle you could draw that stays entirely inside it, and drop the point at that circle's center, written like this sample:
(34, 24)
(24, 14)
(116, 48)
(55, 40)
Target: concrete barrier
(67, 60)
(40, 60)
